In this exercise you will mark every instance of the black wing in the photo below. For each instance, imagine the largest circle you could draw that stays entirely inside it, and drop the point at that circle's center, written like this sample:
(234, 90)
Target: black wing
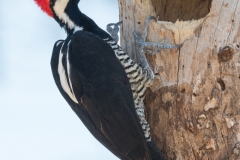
(77, 108)
(105, 98)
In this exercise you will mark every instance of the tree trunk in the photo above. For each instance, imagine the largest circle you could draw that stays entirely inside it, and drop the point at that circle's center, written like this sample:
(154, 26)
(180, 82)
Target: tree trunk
(193, 106)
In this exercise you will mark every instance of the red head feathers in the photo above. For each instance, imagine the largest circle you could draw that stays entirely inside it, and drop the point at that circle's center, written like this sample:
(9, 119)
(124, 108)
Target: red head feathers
(45, 6)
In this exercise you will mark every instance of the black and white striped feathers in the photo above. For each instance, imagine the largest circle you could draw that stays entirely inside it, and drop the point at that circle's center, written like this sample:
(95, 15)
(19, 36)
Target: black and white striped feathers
(96, 86)
(139, 80)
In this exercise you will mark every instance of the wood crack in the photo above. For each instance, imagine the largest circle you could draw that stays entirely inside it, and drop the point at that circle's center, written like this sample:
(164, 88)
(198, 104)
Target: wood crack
(232, 23)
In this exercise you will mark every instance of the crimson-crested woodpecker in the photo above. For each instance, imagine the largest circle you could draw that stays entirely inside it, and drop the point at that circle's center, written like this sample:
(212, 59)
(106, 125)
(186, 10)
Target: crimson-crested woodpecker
(103, 86)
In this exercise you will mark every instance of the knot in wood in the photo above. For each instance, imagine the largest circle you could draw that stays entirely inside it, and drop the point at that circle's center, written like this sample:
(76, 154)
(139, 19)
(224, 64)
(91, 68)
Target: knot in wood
(226, 53)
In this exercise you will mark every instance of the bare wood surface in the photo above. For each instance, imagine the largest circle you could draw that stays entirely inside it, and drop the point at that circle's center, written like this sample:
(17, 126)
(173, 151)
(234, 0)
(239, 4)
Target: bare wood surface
(193, 107)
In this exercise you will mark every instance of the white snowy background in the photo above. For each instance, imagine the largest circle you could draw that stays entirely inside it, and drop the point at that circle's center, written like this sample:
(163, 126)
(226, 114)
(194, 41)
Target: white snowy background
(35, 121)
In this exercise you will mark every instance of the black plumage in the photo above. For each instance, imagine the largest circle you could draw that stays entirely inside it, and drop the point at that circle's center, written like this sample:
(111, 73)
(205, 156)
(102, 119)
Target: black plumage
(102, 89)
(95, 85)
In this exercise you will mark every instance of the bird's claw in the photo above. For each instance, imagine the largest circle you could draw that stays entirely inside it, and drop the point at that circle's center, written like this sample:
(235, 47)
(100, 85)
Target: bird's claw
(146, 24)
(114, 30)
(149, 47)
(155, 47)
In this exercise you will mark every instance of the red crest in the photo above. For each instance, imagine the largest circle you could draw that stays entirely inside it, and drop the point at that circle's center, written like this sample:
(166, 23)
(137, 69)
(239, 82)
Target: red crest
(45, 6)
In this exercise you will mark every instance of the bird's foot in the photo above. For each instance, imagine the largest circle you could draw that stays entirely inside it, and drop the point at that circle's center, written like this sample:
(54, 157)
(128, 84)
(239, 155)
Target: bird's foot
(114, 30)
(149, 47)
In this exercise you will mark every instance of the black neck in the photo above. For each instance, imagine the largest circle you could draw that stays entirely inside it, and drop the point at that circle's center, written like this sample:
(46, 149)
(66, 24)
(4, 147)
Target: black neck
(82, 21)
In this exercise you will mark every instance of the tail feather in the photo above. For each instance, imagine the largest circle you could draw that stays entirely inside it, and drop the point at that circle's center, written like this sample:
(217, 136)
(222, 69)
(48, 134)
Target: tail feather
(155, 153)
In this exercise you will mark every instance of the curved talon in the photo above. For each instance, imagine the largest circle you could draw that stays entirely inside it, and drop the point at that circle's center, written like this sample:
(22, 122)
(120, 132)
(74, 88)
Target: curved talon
(151, 18)
(114, 31)
(118, 24)
(109, 27)
(146, 24)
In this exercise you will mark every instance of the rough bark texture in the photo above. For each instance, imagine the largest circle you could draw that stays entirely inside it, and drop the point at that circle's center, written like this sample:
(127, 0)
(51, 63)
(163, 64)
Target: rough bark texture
(193, 106)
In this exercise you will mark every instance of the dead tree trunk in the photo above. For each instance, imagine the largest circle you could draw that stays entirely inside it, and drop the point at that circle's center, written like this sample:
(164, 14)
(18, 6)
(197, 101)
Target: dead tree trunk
(193, 107)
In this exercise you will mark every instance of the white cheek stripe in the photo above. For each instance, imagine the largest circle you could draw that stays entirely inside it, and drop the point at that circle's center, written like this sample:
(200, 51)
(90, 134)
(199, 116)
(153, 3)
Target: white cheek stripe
(59, 8)
(63, 78)
(66, 19)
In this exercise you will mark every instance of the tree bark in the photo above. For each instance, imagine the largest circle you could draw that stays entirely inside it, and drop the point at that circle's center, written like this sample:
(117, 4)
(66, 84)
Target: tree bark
(193, 106)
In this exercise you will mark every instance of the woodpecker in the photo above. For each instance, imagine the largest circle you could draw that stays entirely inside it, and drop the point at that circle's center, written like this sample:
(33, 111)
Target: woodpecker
(82, 78)
(140, 75)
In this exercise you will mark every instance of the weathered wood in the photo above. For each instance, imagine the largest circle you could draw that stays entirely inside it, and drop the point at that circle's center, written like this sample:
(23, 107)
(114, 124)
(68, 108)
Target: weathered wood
(193, 106)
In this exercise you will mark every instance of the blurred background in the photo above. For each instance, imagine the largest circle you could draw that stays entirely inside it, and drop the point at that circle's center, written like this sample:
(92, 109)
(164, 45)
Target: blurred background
(35, 121)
